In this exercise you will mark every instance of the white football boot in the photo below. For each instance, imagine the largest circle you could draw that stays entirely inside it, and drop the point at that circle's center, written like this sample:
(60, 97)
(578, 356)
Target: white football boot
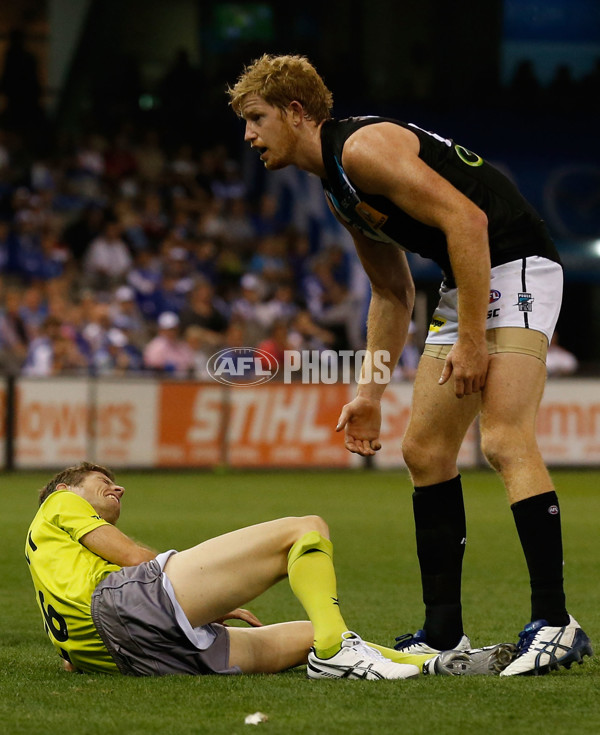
(357, 660)
(543, 648)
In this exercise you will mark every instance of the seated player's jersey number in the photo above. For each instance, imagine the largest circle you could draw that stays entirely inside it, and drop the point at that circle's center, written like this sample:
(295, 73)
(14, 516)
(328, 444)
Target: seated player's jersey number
(54, 623)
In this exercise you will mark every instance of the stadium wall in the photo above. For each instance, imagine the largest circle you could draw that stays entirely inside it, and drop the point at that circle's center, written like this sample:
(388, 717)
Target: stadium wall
(151, 423)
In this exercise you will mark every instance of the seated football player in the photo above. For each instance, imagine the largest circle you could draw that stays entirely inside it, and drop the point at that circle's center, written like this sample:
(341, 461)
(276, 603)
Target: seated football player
(110, 604)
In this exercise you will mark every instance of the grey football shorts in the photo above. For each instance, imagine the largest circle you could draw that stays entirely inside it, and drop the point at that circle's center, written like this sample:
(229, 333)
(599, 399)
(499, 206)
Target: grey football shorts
(136, 620)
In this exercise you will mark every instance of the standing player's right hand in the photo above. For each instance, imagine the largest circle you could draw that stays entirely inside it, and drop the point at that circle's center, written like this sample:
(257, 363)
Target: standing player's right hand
(361, 420)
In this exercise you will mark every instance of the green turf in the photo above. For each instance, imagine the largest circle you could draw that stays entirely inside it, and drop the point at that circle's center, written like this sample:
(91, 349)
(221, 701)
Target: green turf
(371, 524)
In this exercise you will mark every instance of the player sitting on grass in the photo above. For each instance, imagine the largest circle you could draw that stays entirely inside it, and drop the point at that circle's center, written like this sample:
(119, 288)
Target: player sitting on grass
(112, 605)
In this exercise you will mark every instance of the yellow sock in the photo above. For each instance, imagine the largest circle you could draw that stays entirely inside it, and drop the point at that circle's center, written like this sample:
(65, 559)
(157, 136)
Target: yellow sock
(401, 657)
(312, 579)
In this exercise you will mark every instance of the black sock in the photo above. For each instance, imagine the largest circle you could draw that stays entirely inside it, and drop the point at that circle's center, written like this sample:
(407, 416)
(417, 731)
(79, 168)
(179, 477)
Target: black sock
(441, 536)
(538, 524)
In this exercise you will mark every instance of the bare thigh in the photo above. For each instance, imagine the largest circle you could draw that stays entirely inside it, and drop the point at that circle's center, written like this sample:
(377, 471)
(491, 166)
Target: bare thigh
(228, 571)
(271, 648)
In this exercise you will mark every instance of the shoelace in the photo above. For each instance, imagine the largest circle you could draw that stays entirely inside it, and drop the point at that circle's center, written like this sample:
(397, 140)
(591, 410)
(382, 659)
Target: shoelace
(361, 647)
(405, 640)
(526, 638)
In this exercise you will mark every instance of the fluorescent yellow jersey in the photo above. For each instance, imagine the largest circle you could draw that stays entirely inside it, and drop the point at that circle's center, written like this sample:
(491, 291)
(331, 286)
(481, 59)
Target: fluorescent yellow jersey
(65, 573)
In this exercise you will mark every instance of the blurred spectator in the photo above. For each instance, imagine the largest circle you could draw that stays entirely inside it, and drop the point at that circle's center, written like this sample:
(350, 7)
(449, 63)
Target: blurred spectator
(204, 257)
(116, 356)
(332, 304)
(44, 262)
(177, 282)
(269, 260)
(33, 309)
(130, 220)
(202, 350)
(276, 344)
(229, 185)
(97, 325)
(126, 316)
(107, 260)
(167, 352)
(246, 308)
(239, 227)
(88, 168)
(305, 334)
(267, 221)
(145, 278)
(53, 352)
(87, 226)
(205, 310)
(183, 163)
(154, 220)
(280, 307)
(213, 223)
(559, 361)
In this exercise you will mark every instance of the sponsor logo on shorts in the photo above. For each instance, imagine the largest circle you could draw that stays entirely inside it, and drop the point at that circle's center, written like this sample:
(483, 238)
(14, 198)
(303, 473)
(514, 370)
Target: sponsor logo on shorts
(553, 510)
(437, 322)
(494, 296)
(525, 302)
(493, 313)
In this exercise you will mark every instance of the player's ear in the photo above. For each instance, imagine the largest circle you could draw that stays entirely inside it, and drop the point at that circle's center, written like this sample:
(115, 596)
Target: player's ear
(296, 112)
(62, 486)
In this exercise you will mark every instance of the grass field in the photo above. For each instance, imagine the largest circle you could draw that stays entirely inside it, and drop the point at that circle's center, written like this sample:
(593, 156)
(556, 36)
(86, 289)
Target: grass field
(371, 524)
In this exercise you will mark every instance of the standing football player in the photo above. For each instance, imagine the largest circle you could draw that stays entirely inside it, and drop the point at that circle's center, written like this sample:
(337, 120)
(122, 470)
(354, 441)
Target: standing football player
(398, 187)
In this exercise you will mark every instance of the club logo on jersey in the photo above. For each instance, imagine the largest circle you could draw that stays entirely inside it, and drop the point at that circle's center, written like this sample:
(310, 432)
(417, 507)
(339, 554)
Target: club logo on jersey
(467, 156)
(437, 322)
(371, 216)
(553, 510)
(494, 296)
(525, 302)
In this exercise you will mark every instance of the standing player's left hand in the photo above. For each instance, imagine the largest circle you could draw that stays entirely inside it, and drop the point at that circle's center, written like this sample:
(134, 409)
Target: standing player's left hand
(469, 366)
(240, 614)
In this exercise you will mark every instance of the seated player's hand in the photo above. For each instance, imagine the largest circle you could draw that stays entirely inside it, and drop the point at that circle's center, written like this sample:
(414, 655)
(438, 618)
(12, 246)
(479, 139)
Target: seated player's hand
(68, 666)
(240, 614)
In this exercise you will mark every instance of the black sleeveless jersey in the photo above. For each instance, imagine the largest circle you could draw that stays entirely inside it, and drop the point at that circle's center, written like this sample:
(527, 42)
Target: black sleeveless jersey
(515, 229)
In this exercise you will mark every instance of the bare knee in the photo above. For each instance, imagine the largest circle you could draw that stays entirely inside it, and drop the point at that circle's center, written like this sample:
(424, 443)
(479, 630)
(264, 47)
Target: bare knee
(504, 446)
(427, 462)
(295, 527)
(306, 524)
(414, 453)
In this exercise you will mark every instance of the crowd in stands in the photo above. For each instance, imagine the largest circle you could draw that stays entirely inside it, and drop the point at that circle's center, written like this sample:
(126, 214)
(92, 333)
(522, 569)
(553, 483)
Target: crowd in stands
(135, 251)
(119, 256)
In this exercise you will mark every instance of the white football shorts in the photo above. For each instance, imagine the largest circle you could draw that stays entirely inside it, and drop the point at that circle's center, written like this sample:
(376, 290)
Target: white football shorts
(524, 294)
